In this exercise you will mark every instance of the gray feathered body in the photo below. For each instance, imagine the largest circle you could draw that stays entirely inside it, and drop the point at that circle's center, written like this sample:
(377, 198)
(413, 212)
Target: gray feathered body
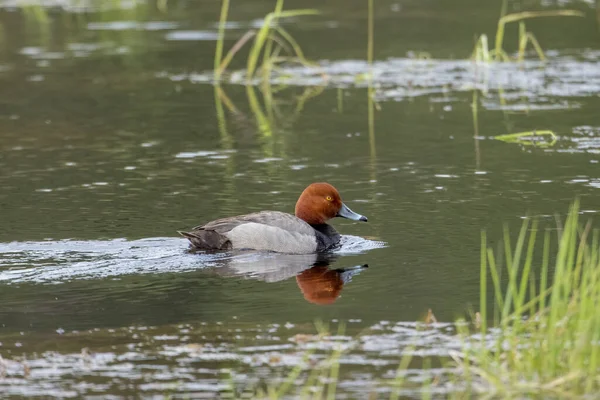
(266, 230)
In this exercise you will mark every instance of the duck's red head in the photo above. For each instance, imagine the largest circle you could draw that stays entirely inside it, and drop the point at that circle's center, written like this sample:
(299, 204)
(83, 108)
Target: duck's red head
(320, 202)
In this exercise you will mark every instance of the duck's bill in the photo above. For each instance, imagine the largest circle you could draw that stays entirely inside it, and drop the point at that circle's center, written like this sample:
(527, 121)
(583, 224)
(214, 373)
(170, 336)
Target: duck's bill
(345, 212)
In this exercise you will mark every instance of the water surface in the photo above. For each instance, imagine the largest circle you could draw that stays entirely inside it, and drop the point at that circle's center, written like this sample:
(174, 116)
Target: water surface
(112, 138)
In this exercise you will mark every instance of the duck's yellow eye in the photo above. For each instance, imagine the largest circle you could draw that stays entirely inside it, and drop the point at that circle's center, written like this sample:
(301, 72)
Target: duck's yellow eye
(329, 198)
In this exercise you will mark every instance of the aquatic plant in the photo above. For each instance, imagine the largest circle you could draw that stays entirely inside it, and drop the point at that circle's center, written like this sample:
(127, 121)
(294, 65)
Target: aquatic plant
(270, 40)
(548, 337)
(542, 337)
(482, 52)
(530, 138)
(371, 90)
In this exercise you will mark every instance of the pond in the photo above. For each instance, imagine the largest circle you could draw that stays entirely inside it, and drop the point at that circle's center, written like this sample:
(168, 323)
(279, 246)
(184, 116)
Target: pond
(113, 137)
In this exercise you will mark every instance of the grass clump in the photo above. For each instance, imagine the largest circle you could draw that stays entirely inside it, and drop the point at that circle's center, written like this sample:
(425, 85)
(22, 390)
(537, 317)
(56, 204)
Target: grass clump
(270, 40)
(482, 52)
(270, 47)
(539, 337)
(548, 341)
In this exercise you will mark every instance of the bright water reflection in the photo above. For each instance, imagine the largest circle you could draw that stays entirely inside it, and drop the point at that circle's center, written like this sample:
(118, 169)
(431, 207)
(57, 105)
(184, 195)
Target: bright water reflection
(63, 261)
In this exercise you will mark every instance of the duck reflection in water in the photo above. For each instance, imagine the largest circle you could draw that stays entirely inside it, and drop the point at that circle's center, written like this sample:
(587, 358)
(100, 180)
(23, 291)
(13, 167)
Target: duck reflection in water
(319, 283)
(322, 285)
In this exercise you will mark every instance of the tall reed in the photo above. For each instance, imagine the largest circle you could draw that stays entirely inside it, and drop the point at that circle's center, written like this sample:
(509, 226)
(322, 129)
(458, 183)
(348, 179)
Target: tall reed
(548, 341)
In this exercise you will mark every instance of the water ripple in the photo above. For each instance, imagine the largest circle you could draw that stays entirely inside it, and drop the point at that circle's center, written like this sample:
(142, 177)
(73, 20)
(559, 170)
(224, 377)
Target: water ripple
(65, 260)
(203, 359)
(555, 84)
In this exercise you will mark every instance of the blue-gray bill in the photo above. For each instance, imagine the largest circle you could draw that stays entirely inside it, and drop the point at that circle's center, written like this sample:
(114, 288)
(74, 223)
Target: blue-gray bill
(346, 212)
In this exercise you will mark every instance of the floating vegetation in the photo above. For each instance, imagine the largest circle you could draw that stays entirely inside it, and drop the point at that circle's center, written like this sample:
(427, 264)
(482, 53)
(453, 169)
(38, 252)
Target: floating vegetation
(543, 138)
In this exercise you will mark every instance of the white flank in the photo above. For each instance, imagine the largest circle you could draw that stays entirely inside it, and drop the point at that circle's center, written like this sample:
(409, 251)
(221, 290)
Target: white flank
(264, 237)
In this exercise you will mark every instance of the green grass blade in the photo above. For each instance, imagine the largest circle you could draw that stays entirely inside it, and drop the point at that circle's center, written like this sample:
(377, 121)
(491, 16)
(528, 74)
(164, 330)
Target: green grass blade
(520, 16)
(483, 285)
(220, 39)
(544, 272)
(263, 34)
(513, 268)
(234, 49)
(527, 266)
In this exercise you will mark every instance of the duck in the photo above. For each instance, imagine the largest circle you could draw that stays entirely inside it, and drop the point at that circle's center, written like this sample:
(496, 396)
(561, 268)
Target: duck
(304, 232)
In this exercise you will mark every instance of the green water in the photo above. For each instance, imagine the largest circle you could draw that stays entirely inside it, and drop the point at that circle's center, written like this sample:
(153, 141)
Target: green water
(109, 130)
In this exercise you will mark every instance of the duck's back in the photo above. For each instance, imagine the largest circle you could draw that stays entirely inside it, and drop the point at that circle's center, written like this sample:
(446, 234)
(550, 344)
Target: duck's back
(265, 230)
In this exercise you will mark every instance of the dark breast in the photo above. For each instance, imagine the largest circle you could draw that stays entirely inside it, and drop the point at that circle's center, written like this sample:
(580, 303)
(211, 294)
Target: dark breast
(327, 237)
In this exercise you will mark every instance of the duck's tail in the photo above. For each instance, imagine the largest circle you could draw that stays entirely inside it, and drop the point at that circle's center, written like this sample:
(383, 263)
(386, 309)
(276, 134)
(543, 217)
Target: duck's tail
(207, 240)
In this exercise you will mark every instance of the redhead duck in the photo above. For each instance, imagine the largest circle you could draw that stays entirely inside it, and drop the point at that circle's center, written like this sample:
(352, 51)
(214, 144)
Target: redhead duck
(306, 232)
